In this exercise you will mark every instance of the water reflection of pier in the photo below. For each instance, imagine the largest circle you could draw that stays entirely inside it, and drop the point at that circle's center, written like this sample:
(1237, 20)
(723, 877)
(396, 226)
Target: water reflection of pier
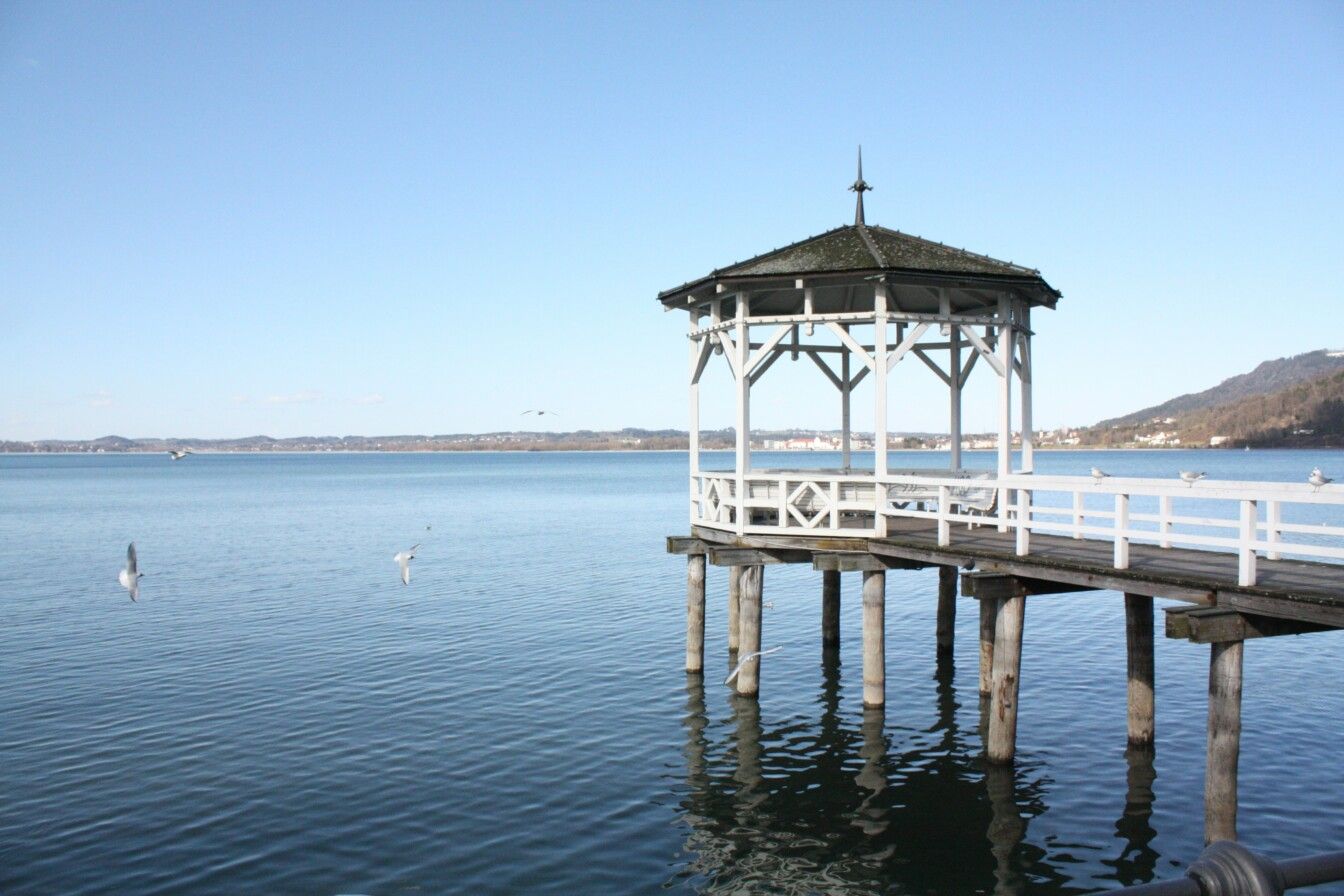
(834, 807)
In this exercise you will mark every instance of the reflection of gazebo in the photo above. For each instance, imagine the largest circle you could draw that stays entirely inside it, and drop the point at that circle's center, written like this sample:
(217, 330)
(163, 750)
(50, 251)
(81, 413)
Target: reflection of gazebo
(856, 301)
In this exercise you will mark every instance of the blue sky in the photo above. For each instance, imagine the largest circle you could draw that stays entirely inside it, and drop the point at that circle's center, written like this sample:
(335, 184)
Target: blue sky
(228, 219)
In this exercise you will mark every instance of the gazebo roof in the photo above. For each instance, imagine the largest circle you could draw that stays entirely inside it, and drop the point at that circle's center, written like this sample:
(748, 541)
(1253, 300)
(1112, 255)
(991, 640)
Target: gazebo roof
(868, 250)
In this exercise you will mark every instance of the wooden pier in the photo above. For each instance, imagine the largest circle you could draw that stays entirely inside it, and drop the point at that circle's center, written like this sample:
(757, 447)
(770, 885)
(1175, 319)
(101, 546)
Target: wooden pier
(1292, 597)
(1243, 560)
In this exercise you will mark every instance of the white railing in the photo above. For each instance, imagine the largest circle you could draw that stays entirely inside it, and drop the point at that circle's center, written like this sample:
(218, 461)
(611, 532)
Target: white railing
(1273, 519)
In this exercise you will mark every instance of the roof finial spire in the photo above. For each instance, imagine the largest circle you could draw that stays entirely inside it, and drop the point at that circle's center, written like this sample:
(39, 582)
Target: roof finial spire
(859, 187)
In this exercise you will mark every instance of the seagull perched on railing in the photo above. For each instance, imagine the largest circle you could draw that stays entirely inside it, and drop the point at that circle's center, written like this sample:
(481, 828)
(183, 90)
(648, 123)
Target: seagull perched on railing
(1318, 479)
(1099, 474)
(404, 559)
(130, 576)
(178, 455)
(1190, 477)
(746, 659)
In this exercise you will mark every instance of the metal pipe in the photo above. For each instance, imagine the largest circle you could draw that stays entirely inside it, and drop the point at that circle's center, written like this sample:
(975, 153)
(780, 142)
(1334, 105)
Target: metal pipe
(1227, 868)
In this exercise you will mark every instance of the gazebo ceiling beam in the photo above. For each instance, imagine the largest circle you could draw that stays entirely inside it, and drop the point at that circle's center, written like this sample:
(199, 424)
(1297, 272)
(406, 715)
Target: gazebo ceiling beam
(855, 317)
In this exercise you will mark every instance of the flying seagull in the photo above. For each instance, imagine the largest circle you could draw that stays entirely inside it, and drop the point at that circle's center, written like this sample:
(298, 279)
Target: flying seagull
(404, 559)
(130, 576)
(539, 413)
(1099, 474)
(746, 659)
(1190, 477)
(178, 455)
(1318, 479)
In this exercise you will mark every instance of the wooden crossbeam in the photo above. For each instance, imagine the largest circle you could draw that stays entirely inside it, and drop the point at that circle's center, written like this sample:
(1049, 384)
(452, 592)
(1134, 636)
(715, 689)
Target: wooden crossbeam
(996, 586)
(755, 557)
(864, 358)
(681, 544)
(1329, 614)
(929, 362)
(826, 369)
(857, 561)
(1214, 625)
(984, 348)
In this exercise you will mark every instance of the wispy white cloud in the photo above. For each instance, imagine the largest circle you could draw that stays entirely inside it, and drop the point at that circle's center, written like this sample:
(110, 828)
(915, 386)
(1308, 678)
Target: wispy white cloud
(305, 397)
(100, 399)
(371, 398)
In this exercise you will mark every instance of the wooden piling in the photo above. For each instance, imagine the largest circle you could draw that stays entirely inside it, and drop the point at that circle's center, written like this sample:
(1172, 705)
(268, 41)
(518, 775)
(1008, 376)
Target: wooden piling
(749, 619)
(734, 602)
(1139, 667)
(989, 608)
(695, 613)
(874, 638)
(830, 609)
(947, 610)
(1007, 667)
(1220, 773)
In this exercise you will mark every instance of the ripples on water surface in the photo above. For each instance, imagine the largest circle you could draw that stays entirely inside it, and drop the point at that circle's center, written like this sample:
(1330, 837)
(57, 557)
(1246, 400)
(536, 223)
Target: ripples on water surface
(280, 715)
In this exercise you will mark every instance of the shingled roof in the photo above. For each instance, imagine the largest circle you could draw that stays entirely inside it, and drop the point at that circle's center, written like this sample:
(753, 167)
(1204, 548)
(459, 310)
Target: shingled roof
(871, 249)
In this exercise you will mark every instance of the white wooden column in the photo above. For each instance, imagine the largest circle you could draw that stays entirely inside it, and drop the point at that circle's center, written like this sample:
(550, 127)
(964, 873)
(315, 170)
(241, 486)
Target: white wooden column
(743, 407)
(1024, 378)
(693, 448)
(954, 395)
(1004, 348)
(880, 395)
(844, 410)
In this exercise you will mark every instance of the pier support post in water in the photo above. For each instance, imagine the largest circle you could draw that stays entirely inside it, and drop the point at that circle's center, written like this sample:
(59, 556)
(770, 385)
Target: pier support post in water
(989, 609)
(830, 609)
(1139, 667)
(695, 613)
(947, 611)
(734, 602)
(874, 638)
(1007, 668)
(749, 620)
(1220, 775)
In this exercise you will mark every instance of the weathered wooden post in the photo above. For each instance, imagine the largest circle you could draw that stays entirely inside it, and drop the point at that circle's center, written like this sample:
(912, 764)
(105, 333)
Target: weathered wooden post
(947, 611)
(695, 613)
(830, 609)
(1220, 774)
(749, 620)
(1007, 668)
(734, 603)
(1139, 667)
(874, 638)
(989, 610)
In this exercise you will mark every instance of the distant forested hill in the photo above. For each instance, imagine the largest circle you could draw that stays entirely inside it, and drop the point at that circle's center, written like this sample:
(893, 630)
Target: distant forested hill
(1290, 402)
(1270, 377)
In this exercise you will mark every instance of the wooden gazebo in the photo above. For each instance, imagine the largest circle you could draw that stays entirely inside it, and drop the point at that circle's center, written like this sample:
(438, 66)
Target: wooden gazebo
(856, 301)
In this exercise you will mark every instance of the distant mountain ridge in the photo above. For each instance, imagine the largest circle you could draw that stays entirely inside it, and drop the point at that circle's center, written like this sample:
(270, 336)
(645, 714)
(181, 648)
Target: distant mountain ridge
(1269, 377)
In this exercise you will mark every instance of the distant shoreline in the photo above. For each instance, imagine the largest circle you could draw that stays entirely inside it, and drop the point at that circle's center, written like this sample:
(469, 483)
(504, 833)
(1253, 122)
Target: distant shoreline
(595, 450)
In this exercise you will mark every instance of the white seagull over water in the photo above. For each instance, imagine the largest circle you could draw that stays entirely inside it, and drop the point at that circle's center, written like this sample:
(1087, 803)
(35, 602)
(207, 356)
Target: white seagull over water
(1318, 479)
(746, 659)
(130, 576)
(1099, 474)
(1190, 477)
(404, 559)
(178, 455)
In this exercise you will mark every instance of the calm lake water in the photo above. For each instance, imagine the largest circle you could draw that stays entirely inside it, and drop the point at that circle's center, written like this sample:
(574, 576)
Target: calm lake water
(280, 715)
